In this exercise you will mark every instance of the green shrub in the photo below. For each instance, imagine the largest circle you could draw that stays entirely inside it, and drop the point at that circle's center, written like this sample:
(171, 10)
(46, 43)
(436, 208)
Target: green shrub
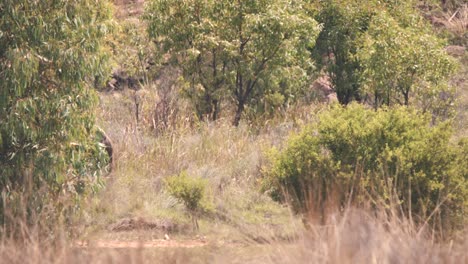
(190, 191)
(387, 157)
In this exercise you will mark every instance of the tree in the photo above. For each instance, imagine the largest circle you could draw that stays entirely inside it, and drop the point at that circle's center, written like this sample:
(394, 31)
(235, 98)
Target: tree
(403, 60)
(383, 52)
(343, 23)
(246, 49)
(189, 32)
(50, 53)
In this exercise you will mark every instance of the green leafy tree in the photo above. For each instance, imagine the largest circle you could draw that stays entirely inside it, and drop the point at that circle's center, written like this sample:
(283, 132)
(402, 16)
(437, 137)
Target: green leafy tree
(243, 49)
(343, 23)
(389, 157)
(383, 52)
(49, 52)
(404, 64)
(189, 32)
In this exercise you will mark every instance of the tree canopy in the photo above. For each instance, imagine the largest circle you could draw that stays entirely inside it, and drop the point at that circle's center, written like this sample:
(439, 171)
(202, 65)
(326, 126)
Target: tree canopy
(240, 51)
(401, 62)
(384, 53)
(50, 53)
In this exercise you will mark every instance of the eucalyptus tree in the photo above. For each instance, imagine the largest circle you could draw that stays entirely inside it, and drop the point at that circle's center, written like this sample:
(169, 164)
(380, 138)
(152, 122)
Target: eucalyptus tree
(241, 50)
(50, 51)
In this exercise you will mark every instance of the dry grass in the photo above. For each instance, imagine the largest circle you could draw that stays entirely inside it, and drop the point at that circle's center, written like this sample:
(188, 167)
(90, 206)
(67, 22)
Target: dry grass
(128, 8)
(353, 236)
(452, 24)
(457, 22)
(230, 158)
(244, 226)
(359, 237)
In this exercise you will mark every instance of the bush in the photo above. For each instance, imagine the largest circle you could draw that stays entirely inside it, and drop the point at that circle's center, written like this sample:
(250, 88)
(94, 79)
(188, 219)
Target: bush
(190, 191)
(387, 157)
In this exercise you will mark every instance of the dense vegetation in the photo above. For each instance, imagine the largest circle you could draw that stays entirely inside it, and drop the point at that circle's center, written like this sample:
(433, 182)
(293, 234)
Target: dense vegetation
(389, 57)
(50, 54)
(251, 52)
(385, 158)
(223, 118)
(257, 55)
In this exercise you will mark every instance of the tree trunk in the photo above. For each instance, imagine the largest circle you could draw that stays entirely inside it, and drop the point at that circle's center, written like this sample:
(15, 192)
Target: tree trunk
(239, 111)
(406, 95)
(215, 110)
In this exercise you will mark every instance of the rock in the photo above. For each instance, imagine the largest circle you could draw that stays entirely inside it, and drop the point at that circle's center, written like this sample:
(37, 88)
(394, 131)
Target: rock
(437, 22)
(167, 225)
(324, 89)
(332, 98)
(455, 51)
(112, 84)
(323, 84)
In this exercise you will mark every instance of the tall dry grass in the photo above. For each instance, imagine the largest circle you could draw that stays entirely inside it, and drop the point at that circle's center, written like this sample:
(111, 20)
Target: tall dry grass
(352, 236)
(229, 158)
(245, 225)
(457, 22)
(357, 236)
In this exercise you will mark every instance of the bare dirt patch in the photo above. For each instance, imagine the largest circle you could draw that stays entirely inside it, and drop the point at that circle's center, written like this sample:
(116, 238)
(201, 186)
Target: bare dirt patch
(155, 243)
(128, 8)
(138, 223)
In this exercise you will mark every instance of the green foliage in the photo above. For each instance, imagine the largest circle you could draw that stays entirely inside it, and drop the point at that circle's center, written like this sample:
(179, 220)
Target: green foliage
(244, 50)
(383, 52)
(255, 54)
(131, 50)
(388, 157)
(401, 61)
(343, 24)
(49, 52)
(185, 29)
(190, 191)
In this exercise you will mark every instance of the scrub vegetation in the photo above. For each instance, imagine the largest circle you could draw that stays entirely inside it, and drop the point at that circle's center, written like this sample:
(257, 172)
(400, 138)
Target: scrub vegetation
(202, 131)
